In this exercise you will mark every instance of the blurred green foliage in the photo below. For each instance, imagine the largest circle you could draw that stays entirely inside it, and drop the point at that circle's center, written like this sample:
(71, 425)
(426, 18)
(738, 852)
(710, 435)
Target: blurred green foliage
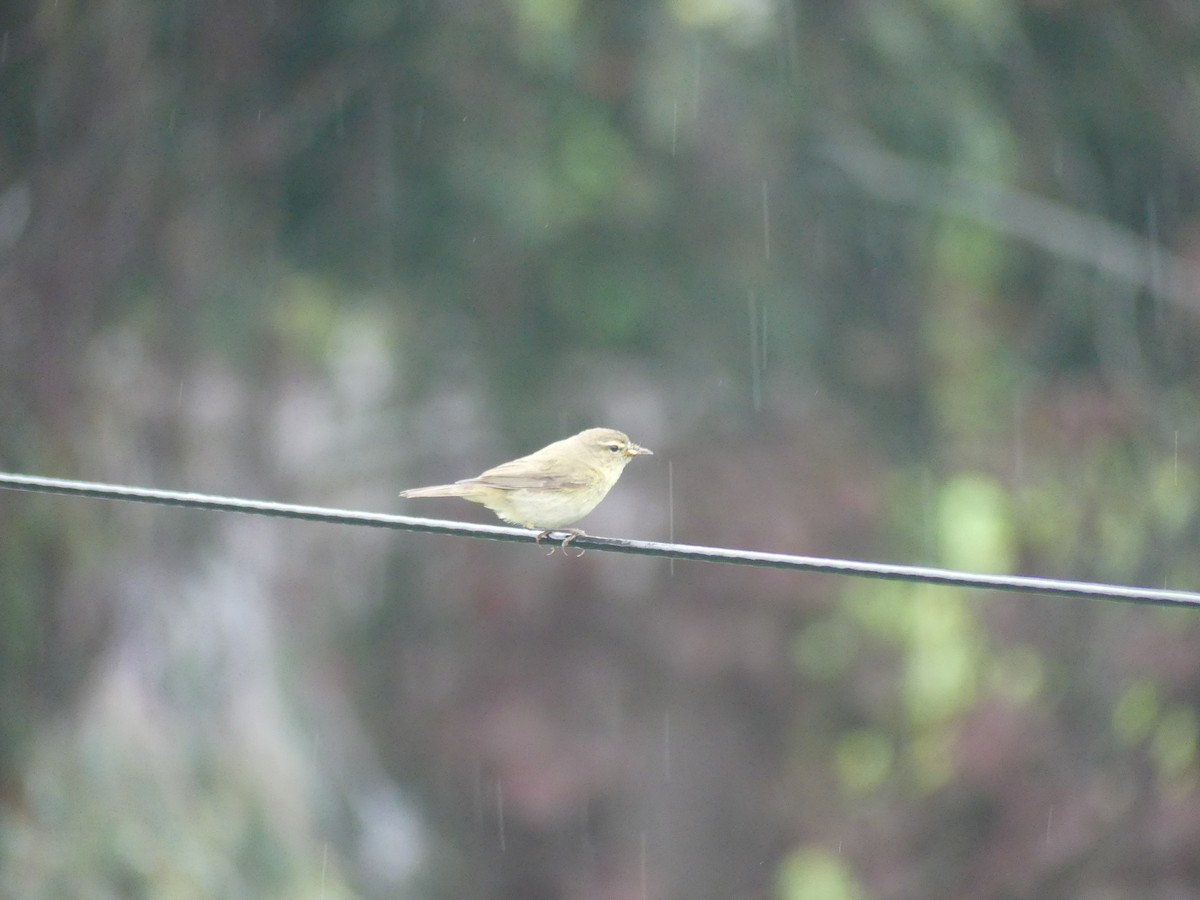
(812, 253)
(813, 873)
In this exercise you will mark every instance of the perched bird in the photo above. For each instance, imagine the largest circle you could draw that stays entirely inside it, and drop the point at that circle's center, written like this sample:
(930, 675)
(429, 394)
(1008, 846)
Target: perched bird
(551, 488)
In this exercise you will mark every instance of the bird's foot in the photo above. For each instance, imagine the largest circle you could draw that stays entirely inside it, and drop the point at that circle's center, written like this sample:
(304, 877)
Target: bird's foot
(571, 533)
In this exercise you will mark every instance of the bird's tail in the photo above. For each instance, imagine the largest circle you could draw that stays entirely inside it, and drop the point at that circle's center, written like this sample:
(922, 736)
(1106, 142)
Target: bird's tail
(437, 490)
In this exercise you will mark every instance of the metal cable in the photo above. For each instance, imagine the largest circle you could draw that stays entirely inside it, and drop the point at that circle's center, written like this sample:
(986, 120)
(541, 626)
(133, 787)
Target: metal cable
(857, 568)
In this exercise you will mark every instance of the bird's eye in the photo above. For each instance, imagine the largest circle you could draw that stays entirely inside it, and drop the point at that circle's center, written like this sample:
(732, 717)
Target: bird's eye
(615, 448)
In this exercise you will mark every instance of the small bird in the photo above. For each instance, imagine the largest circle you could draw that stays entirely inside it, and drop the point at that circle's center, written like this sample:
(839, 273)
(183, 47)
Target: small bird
(552, 488)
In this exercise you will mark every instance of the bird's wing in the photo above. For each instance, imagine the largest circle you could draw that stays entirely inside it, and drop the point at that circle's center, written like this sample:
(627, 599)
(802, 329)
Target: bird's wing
(526, 473)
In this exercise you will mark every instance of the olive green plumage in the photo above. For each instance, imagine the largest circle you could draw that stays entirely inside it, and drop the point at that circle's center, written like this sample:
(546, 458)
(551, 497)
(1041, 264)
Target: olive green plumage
(551, 488)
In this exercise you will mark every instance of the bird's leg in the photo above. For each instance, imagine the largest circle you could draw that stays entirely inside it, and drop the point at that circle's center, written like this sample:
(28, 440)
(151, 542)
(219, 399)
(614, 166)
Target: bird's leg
(571, 533)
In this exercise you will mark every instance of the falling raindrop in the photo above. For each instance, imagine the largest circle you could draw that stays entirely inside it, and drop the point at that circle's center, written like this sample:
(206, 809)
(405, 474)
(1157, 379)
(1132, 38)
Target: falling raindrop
(671, 511)
(766, 222)
(1018, 443)
(645, 881)
(666, 746)
(1177, 458)
(478, 792)
(929, 518)
(500, 814)
(1049, 822)
(762, 339)
(674, 125)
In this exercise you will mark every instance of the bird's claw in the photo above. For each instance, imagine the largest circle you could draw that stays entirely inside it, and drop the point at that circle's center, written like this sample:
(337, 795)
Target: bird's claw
(571, 533)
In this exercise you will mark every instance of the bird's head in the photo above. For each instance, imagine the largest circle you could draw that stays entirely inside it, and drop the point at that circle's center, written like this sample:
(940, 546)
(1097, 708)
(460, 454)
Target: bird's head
(609, 446)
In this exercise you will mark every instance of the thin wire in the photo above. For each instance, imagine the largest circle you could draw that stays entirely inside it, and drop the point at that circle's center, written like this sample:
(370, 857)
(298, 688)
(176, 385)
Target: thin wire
(856, 568)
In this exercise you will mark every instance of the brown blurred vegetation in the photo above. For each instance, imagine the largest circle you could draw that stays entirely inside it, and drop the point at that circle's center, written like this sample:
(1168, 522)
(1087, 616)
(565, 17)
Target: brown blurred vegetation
(910, 281)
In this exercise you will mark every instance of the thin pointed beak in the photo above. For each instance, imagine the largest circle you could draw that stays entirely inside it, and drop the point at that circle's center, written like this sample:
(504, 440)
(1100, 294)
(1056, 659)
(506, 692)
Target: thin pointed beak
(635, 450)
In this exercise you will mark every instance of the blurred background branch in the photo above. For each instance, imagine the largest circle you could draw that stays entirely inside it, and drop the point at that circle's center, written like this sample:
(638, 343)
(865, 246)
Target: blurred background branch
(313, 249)
(1055, 228)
